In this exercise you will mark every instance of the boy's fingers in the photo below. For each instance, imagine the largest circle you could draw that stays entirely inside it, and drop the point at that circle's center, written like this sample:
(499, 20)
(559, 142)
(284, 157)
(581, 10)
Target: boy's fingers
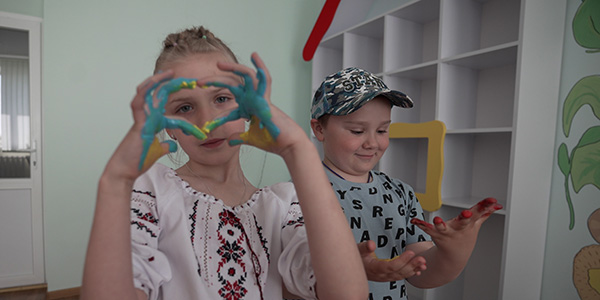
(366, 248)
(422, 224)
(439, 224)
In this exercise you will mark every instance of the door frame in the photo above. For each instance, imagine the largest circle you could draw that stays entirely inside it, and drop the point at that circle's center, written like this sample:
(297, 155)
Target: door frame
(33, 26)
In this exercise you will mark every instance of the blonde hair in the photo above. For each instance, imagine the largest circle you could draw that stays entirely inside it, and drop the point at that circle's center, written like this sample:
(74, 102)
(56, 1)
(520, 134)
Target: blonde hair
(190, 41)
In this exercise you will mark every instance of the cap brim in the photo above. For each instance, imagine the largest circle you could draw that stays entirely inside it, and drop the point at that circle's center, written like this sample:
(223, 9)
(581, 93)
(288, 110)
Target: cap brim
(397, 98)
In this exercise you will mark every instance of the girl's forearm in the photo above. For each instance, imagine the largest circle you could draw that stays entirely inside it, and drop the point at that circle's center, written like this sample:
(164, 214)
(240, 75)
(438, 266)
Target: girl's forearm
(334, 253)
(108, 270)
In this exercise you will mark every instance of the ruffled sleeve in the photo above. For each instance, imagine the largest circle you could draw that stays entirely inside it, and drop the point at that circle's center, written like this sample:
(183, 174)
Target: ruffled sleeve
(150, 266)
(295, 263)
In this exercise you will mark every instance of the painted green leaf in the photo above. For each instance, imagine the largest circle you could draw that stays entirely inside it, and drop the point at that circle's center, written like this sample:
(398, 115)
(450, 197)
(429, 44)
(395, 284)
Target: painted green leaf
(585, 91)
(564, 163)
(585, 163)
(586, 25)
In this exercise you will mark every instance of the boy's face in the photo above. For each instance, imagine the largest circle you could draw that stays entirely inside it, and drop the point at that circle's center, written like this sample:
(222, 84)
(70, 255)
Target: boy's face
(354, 143)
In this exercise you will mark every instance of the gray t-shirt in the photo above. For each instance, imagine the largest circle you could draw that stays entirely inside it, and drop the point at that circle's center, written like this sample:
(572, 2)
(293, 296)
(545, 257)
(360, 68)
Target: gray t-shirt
(381, 211)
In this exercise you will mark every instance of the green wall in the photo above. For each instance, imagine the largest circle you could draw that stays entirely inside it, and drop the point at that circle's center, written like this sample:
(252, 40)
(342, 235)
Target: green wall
(94, 55)
(33, 8)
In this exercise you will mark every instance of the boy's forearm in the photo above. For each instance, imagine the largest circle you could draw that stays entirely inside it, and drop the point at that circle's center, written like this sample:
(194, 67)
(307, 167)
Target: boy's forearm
(442, 267)
(334, 253)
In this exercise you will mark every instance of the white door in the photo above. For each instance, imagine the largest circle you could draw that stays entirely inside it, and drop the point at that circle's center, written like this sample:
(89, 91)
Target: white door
(21, 223)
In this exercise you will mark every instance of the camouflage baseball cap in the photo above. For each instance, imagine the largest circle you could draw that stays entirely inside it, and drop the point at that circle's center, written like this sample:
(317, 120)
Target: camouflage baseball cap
(348, 90)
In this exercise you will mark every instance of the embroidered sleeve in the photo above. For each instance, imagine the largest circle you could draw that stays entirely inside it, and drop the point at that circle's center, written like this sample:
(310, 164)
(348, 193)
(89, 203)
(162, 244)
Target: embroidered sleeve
(295, 263)
(150, 266)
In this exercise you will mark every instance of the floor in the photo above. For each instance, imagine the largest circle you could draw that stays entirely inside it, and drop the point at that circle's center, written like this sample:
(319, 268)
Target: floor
(38, 292)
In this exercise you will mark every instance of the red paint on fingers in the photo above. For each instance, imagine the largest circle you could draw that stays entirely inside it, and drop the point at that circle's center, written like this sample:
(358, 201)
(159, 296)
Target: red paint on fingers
(421, 222)
(486, 203)
(465, 214)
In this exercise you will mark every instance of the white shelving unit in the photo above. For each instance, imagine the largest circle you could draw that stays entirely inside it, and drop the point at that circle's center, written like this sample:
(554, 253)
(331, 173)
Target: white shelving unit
(464, 62)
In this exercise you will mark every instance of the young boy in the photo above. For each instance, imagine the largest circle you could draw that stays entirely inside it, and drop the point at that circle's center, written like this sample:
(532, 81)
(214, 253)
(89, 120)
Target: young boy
(351, 113)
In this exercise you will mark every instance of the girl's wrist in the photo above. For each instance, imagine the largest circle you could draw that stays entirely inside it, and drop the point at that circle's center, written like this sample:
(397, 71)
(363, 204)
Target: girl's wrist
(299, 150)
(113, 178)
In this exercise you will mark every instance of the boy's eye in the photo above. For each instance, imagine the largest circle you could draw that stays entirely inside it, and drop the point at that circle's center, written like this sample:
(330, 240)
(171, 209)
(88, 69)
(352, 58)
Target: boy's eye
(382, 131)
(356, 131)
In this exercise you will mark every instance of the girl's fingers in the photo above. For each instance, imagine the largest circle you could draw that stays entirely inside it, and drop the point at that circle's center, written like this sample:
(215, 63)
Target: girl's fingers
(259, 63)
(239, 69)
(153, 81)
(138, 103)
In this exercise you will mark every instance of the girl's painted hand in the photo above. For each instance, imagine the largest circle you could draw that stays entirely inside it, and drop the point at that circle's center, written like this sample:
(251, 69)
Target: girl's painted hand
(459, 233)
(125, 161)
(270, 128)
(400, 267)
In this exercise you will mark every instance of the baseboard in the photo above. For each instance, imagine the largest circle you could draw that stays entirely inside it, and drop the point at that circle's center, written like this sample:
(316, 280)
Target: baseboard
(36, 291)
(64, 294)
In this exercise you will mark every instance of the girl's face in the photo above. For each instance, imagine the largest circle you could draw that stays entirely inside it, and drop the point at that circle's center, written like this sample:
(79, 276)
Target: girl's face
(354, 143)
(201, 105)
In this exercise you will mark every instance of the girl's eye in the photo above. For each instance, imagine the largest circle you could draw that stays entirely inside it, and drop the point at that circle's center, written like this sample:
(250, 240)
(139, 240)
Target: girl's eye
(222, 99)
(356, 131)
(184, 109)
(382, 131)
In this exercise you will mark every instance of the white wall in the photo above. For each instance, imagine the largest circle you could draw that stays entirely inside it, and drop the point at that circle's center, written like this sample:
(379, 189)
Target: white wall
(94, 55)
(562, 243)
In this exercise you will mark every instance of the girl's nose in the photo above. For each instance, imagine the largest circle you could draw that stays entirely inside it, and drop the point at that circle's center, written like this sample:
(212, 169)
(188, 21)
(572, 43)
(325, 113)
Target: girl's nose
(205, 114)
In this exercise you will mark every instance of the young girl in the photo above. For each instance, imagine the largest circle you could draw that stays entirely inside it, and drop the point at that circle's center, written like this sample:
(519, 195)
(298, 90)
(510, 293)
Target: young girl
(351, 114)
(203, 231)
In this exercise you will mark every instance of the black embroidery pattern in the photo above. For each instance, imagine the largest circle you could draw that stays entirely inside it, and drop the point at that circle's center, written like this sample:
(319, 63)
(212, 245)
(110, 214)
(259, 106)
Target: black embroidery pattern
(263, 241)
(143, 227)
(147, 193)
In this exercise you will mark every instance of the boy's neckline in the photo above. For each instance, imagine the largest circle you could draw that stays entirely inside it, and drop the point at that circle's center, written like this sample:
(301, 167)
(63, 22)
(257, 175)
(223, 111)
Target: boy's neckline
(369, 179)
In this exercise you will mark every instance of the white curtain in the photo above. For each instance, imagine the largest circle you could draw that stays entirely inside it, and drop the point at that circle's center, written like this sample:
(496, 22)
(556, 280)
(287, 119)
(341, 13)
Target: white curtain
(15, 118)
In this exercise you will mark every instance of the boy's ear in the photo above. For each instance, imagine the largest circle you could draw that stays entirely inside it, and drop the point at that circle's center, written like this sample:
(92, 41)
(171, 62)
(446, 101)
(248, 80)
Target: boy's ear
(317, 129)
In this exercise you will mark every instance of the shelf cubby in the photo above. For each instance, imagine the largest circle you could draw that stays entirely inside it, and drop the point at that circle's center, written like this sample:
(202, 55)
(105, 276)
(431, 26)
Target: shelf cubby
(476, 166)
(420, 85)
(470, 25)
(328, 57)
(408, 162)
(412, 35)
(366, 40)
(476, 95)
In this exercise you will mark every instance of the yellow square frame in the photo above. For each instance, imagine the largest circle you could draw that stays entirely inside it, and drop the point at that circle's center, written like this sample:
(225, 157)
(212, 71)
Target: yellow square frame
(434, 132)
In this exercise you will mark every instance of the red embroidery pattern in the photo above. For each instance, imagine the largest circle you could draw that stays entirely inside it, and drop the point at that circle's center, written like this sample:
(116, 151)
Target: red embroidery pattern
(231, 252)
(148, 217)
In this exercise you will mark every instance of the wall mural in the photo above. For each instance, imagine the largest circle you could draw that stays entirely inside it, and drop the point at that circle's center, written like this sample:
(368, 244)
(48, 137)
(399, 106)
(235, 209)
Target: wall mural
(582, 164)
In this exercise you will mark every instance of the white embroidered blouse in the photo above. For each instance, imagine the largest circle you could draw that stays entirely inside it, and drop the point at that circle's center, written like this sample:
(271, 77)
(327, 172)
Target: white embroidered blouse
(189, 245)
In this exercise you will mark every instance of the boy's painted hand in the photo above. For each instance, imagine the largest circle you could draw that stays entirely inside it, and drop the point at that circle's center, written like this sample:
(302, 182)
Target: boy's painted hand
(459, 233)
(400, 267)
